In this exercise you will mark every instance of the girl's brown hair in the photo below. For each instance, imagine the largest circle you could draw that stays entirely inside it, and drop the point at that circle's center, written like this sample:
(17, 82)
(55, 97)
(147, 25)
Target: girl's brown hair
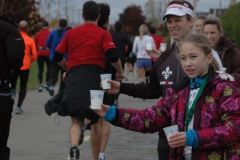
(143, 30)
(202, 43)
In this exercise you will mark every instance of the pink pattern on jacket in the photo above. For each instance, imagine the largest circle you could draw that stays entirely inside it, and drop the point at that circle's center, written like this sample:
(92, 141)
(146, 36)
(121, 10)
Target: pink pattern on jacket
(216, 119)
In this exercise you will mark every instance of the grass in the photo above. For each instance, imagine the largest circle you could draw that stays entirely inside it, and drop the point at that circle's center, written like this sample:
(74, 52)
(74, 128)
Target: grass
(33, 77)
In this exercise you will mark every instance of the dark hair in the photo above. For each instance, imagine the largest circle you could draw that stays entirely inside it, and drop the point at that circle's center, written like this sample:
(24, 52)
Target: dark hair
(215, 21)
(118, 26)
(68, 28)
(44, 23)
(90, 10)
(152, 30)
(62, 23)
(104, 13)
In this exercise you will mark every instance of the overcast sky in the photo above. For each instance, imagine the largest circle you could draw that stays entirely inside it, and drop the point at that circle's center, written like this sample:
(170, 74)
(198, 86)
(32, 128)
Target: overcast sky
(117, 6)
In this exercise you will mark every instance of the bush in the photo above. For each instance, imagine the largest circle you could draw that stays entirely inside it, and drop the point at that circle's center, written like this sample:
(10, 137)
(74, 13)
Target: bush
(231, 24)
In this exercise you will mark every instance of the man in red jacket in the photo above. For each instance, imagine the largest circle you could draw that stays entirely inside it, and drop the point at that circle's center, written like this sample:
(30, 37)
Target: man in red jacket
(43, 53)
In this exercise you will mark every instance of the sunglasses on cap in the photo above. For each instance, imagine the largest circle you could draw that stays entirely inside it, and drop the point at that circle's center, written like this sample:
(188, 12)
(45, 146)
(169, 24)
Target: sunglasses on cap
(185, 3)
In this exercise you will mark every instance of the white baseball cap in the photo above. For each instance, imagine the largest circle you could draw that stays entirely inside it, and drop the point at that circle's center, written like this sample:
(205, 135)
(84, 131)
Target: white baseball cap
(178, 9)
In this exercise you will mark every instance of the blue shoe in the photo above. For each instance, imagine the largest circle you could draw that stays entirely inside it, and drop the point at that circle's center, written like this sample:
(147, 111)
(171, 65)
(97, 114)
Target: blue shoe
(19, 111)
(40, 88)
(50, 90)
(46, 86)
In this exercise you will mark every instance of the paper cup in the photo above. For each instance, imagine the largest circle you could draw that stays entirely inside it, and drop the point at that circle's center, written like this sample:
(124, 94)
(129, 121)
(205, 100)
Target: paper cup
(224, 69)
(163, 46)
(170, 130)
(104, 79)
(149, 46)
(96, 98)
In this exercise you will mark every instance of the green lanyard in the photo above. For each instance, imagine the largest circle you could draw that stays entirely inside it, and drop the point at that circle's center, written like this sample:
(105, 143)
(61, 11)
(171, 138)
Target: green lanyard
(190, 111)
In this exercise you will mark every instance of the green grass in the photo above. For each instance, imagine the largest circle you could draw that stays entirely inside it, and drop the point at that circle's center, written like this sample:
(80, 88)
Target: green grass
(33, 77)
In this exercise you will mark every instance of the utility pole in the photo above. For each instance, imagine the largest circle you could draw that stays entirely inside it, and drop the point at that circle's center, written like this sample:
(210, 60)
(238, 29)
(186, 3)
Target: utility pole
(66, 5)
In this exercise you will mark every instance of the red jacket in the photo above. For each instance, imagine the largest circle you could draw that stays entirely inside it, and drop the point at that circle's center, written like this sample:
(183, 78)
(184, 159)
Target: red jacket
(157, 40)
(40, 40)
(216, 118)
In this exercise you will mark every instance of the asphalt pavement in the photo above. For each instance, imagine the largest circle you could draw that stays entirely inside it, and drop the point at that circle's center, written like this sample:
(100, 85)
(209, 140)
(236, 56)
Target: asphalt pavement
(36, 136)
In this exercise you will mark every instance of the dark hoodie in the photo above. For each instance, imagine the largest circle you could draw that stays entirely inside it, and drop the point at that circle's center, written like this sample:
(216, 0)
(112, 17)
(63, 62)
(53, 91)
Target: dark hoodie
(230, 56)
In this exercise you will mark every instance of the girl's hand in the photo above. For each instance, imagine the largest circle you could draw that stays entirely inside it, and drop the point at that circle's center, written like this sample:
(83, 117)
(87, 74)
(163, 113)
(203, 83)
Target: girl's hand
(115, 87)
(177, 139)
(103, 111)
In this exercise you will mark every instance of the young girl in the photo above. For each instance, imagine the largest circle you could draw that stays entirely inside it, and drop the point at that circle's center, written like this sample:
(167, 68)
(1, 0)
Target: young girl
(205, 108)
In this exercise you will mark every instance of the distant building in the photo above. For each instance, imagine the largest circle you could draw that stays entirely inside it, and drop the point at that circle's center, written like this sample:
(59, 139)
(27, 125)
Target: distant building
(217, 12)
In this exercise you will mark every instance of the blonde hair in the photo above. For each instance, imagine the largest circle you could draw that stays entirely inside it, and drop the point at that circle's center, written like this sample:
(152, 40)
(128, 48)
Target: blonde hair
(203, 44)
(143, 30)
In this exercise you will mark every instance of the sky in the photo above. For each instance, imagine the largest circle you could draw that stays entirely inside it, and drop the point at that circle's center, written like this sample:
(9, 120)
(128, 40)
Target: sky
(117, 6)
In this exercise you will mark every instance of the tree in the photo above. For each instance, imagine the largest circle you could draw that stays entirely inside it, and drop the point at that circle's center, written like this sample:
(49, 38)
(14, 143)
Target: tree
(231, 23)
(132, 17)
(23, 10)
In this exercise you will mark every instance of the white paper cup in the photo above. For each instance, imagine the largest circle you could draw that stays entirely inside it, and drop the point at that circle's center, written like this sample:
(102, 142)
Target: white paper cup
(104, 79)
(149, 46)
(224, 69)
(163, 46)
(170, 130)
(96, 98)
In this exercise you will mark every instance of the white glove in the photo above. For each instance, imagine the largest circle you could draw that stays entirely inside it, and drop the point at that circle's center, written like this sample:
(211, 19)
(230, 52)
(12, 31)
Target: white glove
(225, 76)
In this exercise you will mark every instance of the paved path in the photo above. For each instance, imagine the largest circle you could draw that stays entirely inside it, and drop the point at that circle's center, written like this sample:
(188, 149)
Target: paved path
(36, 136)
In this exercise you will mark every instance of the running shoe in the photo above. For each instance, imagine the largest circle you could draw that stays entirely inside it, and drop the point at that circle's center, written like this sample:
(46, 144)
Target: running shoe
(74, 153)
(40, 88)
(19, 111)
(84, 126)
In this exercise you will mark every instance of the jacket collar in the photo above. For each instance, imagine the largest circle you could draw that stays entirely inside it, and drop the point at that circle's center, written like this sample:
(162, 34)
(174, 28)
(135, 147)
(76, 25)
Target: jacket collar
(9, 21)
(185, 82)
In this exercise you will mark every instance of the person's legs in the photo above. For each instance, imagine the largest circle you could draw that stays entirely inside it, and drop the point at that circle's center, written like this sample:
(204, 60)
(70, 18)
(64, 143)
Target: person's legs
(40, 61)
(46, 60)
(14, 77)
(74, 135)
(53, 75)
(140, 70)
(106, 127)
(163, 148)
(24, 74)
(6, 108)
(96, 139)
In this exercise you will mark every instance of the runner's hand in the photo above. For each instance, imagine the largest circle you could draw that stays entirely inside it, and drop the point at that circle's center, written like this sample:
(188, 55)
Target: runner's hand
(177, 139)
(154, 53)
(120, 76)
(103, 111)
(64, 77)
(115, 87)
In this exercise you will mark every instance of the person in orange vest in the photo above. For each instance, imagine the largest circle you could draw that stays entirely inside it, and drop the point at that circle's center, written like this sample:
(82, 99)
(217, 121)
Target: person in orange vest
(30, 55)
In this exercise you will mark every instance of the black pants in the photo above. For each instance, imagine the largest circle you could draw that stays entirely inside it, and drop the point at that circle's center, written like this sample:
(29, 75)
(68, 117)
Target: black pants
(54, 69)
(163, 147)
(23, 74)
(41, 60)
(6, 108)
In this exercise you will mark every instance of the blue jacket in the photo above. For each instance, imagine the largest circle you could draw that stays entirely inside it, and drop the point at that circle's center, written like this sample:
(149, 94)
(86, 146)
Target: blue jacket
(53, 40)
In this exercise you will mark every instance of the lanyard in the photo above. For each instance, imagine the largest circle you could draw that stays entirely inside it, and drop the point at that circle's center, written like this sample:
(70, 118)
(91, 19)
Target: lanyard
(190, 111)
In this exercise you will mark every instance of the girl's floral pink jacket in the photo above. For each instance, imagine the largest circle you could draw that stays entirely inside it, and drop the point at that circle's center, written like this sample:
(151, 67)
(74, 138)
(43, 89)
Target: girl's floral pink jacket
(216, 118)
